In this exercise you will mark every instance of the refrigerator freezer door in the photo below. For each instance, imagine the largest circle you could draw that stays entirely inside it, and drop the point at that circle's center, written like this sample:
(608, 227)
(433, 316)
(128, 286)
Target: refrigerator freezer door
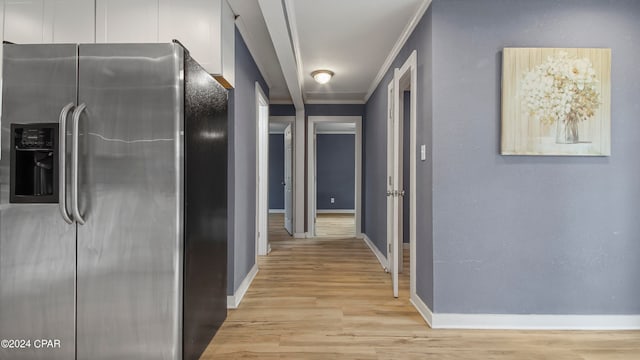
(37, 246)
(130, 196)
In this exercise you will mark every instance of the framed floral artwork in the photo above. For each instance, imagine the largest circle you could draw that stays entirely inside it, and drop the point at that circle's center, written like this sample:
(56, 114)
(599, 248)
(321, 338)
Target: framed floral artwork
(556, 102)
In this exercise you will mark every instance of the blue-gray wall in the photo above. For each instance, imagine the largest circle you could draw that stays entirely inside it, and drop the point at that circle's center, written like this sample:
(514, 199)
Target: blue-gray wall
(336, 166)
(406, 155)
(282, 110)
(242, 165)
(522, 235)
(276, 171)
(559, 235)
(375, 164)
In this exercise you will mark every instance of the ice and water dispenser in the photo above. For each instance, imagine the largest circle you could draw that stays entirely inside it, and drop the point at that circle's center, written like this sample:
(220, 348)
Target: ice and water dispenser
(34, 163)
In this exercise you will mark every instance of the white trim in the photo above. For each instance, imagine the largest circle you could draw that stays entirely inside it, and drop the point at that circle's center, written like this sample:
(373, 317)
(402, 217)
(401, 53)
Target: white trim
(276, 211)
(262, 173)
(273, 12)
(282, 119)
(335, 132)
(335, 211)
(233, 301)
(335, 102)
(295, 42)
(299, 173)
(381, 258)
(303, 235)
(524, 322)
(406, 245)
(536, 322)
(422, 308)
(280, 101)
(406, 33)
(311, 167)
(408, 78)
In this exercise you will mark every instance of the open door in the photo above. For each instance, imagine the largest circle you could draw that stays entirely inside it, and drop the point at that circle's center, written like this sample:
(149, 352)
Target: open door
(394, 183)
(288, 180)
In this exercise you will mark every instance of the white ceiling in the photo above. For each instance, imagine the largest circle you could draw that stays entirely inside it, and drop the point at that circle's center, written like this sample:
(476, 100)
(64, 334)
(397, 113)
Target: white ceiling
(350, 37)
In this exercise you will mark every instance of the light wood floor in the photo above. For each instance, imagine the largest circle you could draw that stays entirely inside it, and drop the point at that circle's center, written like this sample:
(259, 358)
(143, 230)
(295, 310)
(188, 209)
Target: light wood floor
(334, 225)
(329, 299)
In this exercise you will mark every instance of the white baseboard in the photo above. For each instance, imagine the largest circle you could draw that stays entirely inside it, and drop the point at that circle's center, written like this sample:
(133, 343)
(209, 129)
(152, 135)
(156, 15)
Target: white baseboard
(335, 211)
(360, 236)
(422, 308)
(524, 322)
(276, 211)
(406, 245)
(233, 301)
(381, 258)
(536, 322)
(303, 235)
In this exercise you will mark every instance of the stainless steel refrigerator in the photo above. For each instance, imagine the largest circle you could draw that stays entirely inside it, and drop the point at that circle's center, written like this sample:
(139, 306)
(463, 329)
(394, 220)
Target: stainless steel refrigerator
(113, 203)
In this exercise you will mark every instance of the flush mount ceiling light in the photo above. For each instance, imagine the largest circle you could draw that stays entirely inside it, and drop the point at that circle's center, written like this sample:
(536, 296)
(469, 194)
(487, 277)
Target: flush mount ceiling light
(322, 76)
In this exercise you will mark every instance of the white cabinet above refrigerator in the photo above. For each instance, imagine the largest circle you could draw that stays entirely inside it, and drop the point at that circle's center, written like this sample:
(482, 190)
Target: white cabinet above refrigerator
(49, 21)
(205, 27)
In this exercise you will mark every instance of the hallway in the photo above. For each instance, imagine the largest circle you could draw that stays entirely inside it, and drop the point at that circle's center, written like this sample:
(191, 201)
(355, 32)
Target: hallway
(329, 299)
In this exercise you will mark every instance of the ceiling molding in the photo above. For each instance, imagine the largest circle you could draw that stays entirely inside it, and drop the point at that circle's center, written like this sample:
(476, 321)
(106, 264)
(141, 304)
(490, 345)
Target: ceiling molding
(406, 33)
(282, 119)
(248, 39)
(334, 102)
(274, 16)
(280, 102)
(335, 132)
(295, 41)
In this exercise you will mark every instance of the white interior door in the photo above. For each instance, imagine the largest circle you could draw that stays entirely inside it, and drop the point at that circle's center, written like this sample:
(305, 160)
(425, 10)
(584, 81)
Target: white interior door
(394, 182)
(262, 169)
(399, 175)
(315, 182)
(288, 179)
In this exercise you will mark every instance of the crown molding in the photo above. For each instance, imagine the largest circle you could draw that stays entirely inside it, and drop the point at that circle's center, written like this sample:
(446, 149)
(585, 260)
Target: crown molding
(404, 36)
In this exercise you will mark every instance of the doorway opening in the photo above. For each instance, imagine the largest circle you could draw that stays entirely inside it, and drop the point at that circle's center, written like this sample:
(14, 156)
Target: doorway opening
(335, 179)
(334, 176)
(401, 176)
(281, 179)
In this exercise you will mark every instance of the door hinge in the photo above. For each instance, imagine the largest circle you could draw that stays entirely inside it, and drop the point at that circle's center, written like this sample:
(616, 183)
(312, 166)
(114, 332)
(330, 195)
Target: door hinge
(389, 248)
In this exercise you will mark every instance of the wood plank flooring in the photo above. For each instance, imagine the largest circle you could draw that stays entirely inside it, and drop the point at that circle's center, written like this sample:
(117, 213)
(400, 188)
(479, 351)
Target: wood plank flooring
(330, 299)
(336, 225)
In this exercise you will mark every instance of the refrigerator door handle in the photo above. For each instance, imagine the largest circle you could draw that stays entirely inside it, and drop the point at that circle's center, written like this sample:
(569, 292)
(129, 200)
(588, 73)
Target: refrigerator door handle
(74, 165)
(62, 157)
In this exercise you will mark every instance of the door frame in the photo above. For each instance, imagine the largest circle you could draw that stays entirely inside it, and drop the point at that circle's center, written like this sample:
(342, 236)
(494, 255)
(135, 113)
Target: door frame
(406, 78)
(262, 172)
(311, 169)
(290, 120)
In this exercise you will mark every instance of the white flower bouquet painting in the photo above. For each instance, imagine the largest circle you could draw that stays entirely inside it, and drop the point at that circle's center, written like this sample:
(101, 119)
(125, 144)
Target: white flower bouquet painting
(556, 101)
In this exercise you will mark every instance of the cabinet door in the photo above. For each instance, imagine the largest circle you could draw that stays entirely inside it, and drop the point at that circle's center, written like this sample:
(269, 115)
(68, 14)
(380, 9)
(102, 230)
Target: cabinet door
(69, 21)
(206, 28)
(23, 21)
(195, 24)
(127, 21)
